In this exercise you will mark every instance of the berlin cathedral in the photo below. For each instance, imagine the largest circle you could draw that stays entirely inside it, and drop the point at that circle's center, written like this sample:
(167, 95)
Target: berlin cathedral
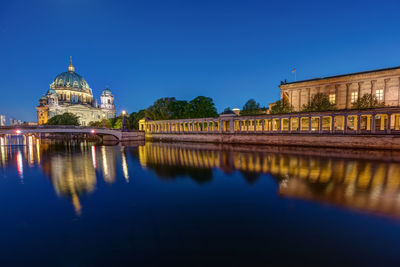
(69, 92)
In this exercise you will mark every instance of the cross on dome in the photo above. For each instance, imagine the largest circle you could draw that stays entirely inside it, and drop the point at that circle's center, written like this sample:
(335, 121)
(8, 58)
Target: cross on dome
(71, 68)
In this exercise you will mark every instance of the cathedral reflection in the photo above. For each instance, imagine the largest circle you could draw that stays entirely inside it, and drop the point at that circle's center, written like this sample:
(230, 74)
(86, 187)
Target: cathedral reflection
(370, 184)
(73, 168)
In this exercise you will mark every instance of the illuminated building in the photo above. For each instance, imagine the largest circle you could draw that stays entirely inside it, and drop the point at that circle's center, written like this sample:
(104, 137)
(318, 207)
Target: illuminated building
(69, 92)
(344, 90)
(2, 120)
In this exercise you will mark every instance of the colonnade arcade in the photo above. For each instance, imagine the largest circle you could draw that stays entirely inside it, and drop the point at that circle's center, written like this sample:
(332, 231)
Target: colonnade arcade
(373, 121)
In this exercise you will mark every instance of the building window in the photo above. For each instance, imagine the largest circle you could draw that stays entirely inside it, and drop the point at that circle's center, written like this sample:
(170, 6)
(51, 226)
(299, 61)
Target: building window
(332, 98)
(379, 94)
(354, 97)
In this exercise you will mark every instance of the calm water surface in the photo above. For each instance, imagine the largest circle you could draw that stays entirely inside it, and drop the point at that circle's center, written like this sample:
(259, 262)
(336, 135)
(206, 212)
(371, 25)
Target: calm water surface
(156, 204)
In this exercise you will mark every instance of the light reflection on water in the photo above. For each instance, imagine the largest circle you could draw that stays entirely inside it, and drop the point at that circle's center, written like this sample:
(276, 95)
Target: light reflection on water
(369, 184)
(153, 204)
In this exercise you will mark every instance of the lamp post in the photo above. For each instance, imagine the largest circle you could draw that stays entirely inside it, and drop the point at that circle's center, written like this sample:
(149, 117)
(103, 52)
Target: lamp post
(123, 121)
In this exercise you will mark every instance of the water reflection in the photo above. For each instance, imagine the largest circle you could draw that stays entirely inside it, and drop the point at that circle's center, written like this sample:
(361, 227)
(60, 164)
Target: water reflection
(370, 184)
(358, 180)
(73, 168)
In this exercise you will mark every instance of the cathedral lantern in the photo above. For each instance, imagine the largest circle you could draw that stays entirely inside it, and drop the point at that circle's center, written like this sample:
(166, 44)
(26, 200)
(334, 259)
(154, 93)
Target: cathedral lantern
(107, 100)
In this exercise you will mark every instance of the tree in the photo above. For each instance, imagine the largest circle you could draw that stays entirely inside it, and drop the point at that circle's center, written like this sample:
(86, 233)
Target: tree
(367, 101)
(160, 110)
(178, 109)
(319, 102)
(281, 106)
(201, 107)
(106, 123)
(135, 117)
(64, 119)
(251, 108)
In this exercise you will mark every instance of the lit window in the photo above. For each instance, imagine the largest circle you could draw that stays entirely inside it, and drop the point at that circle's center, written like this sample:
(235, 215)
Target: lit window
(354, 97)
(332, 98)
(379, 94)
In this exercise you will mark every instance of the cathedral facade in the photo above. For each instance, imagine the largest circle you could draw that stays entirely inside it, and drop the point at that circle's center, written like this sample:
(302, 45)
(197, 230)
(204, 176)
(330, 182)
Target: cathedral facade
(69, 92)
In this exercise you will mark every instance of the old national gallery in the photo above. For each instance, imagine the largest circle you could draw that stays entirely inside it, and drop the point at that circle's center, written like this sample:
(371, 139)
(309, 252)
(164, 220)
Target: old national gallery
(343, 91)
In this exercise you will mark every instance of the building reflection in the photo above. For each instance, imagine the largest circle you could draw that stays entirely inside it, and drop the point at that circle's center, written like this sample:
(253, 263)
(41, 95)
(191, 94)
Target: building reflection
(370, 184)
(73, 168)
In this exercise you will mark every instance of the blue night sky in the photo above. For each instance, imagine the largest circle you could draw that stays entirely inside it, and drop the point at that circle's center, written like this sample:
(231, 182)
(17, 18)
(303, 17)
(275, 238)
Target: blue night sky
(228, 50)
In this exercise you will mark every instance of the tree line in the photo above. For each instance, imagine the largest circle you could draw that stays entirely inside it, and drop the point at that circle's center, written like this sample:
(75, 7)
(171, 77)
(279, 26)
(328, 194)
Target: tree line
(168, 108)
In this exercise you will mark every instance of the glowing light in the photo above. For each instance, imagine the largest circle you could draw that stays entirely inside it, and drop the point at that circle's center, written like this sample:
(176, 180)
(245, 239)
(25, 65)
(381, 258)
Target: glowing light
(94, 157)
(93, 131)
(124, 165)
(38, 150)
(123, 112)
(30, 147)
(20, 166)
(18, 131)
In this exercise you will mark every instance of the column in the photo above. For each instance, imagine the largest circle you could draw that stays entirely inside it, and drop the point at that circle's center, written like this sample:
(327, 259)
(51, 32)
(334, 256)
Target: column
(345, 123)
(372, 86)
(262, 125)
(398, 94)
(332, 124)
(373, 123)
(388, 129)
(358, 123)
(385, 89)
(309, 124)
(347, 94)
(247, 126)
(272, 124)
(290, 124)
(359, 89)
(299, 99)
(320, 124)
(299, 123)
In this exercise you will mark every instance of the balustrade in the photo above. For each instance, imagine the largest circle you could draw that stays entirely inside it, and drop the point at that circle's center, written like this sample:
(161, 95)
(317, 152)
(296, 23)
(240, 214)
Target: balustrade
(380, 121)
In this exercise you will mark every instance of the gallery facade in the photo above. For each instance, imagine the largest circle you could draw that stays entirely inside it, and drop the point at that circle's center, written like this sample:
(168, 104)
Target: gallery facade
(345, 90)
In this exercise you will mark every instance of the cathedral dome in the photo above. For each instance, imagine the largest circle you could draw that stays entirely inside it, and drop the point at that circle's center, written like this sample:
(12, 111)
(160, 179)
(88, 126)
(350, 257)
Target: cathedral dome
(71, 80)
(106, 91)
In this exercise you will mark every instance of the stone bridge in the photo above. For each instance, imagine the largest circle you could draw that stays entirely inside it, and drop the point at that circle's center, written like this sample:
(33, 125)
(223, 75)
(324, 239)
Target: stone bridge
(115, 134)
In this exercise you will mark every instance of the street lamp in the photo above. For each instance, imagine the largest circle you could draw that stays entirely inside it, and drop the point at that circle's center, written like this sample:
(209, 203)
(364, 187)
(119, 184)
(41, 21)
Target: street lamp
(123, 121)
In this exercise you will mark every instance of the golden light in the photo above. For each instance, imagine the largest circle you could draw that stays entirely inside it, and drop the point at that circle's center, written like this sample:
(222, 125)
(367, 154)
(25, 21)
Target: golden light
(123, 112)
(18, 131)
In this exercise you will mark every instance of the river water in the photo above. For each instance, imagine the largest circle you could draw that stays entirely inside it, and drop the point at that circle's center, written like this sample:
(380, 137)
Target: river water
(154, 204)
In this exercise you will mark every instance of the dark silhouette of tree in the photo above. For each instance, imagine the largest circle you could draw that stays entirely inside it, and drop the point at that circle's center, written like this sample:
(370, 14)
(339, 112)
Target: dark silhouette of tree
(201, 107)
(281, 106)
(106, 123)
(178, 109)
(64, 119)
(160, 110)
(367, 101)
(134, 119)
(319, 102)
(251, 108)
